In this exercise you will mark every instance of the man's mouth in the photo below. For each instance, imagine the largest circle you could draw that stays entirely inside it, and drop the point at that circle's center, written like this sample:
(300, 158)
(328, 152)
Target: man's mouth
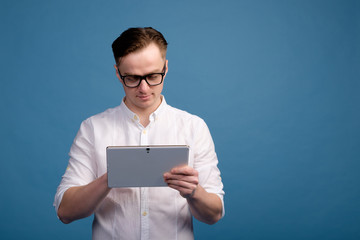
(144, 97)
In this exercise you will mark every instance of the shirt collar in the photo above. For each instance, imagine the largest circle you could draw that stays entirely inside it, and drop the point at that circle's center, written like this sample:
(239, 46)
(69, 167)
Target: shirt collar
(153, 117)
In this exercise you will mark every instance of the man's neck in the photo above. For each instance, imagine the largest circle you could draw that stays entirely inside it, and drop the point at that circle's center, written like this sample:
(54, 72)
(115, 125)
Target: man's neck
(144, 117)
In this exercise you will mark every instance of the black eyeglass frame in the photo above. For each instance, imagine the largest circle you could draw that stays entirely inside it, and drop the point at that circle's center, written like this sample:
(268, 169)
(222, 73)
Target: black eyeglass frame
(143, 78)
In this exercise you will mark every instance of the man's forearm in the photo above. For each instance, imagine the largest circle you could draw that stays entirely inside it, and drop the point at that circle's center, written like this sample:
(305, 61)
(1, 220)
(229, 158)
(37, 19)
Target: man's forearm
(80, 202)
(204, 206)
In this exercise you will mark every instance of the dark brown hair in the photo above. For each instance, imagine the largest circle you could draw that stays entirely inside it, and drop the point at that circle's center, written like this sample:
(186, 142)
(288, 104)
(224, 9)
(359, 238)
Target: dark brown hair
(134, 39)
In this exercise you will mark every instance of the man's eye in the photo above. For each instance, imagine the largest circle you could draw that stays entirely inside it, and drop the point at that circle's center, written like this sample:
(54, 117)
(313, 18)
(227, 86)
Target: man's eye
(153, 77)
(132, 78)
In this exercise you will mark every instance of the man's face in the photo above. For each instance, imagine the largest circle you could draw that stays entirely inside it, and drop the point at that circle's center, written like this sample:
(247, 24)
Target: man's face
(144, 98)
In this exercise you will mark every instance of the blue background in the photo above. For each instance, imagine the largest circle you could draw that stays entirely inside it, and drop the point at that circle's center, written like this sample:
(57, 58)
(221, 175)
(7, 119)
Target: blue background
(276, 81)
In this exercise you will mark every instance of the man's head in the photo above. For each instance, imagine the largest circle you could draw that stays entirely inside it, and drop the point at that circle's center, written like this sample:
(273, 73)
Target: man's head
(141, 67)
(135, 39)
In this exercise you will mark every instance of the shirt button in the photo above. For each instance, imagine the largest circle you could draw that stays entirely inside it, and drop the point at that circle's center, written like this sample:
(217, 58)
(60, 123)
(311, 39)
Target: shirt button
(135, 117)
(144, 132)
(144, 214)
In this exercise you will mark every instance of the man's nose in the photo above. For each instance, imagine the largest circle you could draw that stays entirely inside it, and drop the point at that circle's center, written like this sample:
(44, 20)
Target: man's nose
(143, 85)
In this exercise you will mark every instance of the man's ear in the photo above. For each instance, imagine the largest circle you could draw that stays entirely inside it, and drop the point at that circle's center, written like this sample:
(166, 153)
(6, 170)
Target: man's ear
(117, 72)
(167, 67)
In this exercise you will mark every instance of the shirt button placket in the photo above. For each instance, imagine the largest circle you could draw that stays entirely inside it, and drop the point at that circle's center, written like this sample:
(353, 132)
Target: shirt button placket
(144, 138)
(144, 211)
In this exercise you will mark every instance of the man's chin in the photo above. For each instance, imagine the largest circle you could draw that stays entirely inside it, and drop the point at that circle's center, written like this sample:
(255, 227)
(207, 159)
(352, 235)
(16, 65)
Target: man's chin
(145, 104)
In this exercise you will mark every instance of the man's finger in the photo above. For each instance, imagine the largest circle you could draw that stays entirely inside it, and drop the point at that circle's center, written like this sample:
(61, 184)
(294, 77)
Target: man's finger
(185, 170)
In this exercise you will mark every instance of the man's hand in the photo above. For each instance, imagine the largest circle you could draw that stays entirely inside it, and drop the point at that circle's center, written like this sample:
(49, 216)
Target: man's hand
(204, 206)
(185, 179)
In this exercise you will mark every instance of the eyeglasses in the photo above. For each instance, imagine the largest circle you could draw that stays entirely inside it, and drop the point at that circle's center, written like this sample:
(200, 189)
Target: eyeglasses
(152, 79)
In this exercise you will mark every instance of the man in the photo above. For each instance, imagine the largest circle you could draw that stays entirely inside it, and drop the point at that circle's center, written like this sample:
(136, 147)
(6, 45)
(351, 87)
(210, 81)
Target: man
(143, 118)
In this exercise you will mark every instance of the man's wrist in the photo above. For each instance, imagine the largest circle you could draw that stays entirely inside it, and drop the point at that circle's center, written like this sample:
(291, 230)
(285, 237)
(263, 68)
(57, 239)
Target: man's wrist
(189, 196)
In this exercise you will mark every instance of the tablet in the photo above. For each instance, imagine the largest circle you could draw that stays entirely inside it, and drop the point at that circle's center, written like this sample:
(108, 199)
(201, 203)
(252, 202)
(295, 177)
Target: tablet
(143, 166)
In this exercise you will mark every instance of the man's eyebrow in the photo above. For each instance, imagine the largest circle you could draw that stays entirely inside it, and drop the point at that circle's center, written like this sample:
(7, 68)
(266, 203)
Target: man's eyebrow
(131, 74)
(127, 74)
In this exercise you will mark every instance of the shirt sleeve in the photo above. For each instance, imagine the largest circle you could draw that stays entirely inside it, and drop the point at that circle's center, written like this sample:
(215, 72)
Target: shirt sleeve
(81, 168)
(206, 161)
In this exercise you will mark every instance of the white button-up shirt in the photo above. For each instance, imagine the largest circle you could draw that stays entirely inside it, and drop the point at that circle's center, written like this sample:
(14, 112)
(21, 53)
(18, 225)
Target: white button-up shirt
(141, 213)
